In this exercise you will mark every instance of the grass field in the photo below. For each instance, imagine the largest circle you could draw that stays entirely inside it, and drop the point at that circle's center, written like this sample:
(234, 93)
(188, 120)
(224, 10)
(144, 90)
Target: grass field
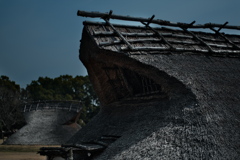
(21, 152)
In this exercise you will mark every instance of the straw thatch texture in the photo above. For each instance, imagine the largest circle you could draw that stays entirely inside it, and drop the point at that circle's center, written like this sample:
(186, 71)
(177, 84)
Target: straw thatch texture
(45, 127)
(164, 103)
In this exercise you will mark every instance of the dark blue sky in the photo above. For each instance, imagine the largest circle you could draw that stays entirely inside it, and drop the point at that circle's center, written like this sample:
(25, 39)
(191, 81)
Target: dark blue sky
(41, 37)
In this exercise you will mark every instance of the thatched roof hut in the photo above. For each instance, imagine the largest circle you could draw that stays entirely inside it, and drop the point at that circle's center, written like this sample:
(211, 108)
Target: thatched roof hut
(166, 93)
(48, 123)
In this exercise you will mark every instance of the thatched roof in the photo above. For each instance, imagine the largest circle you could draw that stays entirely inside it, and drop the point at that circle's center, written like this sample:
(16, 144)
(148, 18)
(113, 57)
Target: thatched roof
(48, 123)
(168, 93)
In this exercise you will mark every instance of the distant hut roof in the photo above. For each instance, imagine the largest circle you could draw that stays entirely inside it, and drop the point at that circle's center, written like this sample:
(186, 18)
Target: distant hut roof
(168, 93)
(48, 123)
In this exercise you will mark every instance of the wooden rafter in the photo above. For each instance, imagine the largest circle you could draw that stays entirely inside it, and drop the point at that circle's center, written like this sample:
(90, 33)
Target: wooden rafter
(157, 33)
(225, 38)
(119, 34)
(199, 39)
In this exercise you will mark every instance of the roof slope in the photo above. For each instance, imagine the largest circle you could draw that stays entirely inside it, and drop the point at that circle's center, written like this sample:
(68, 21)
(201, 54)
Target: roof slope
(173, 96)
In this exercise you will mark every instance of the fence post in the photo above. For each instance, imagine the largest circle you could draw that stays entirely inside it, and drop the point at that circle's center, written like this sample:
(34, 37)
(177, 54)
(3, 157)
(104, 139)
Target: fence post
(37, 105)
(71, 154)
(25, 108)
(70, 106)
(30, 108)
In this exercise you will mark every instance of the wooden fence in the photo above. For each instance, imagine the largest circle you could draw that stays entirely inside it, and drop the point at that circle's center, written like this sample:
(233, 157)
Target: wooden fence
(57, 105)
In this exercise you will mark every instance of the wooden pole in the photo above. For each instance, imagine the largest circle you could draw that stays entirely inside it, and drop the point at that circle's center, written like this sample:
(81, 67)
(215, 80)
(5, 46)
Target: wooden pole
(70, 154)
(154, 21)
(119, 34)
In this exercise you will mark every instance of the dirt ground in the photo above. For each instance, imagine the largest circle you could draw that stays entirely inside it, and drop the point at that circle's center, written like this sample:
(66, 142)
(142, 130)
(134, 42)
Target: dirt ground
(20, 156)
(21, 152)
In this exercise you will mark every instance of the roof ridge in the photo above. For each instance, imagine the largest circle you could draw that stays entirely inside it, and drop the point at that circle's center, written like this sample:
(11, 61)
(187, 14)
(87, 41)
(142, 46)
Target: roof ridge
(156, 21)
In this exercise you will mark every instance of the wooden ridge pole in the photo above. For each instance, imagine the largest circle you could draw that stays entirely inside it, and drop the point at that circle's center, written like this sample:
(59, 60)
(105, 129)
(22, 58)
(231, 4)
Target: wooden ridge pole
(154, 21)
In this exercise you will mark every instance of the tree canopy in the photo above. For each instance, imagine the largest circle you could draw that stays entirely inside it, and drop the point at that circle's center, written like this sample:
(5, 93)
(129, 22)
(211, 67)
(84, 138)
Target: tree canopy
(10, 112)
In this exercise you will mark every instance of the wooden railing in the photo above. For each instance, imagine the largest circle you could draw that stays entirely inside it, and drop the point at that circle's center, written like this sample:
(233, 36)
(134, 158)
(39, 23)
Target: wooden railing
(53, 104)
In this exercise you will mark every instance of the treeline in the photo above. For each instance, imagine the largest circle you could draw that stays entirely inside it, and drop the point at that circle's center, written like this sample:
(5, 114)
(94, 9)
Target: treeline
(64, 87)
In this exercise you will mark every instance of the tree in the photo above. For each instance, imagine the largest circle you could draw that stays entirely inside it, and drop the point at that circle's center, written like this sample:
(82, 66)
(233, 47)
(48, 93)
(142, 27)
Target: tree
(10, 105)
